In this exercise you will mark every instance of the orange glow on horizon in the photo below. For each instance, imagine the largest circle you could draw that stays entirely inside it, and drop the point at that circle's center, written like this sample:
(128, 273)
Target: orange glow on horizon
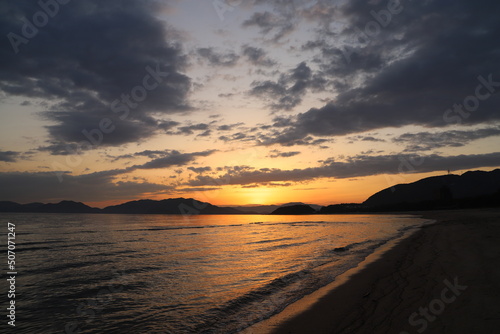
(320, 192)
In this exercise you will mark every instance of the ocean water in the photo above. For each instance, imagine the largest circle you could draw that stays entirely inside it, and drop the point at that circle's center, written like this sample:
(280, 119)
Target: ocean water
(97, 273)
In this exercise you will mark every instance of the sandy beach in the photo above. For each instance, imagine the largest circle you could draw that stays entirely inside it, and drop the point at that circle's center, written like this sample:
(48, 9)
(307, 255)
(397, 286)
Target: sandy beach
(443, 278)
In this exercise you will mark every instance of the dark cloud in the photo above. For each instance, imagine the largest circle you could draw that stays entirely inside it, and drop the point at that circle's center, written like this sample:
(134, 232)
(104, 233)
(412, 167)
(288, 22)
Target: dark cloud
(94, 136)
(160, 159)
(287, 92)
(425, 141)
(167, 125)
(31, 187)
(206, 133)
(278, 154)
(357, 166)
(190, 129)
(238, 136)
(96, 60)
(427, 59)
(216, 58)
(59, 148)
(227, 127)
(371, 152)
(313, 45)
(278, 26)
(226, 95)
(286, 16)
(364, 138)
(151, 154)
(98, 186)
(9, 156)
(173, 158)
(277, 133)
(370, 138)
(200, 170)
(289, 139)
(323, 11)
(282, 121)
(257, 56)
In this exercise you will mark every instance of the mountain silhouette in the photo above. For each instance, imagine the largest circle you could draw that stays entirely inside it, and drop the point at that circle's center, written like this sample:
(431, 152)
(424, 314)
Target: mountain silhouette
(267, 209)
(444, 190)
(187, 206)
(169, 206)
(294, 210)
(61, 207)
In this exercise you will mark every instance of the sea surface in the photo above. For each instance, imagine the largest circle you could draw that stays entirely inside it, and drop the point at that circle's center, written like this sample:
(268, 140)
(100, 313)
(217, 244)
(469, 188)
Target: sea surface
(100, 273)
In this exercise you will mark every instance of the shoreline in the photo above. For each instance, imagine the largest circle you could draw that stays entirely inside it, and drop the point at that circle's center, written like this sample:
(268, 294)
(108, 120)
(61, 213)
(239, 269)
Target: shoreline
(428, 281)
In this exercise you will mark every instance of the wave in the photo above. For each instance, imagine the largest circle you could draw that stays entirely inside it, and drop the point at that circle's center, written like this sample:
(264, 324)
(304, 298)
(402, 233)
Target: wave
(268, 241)
(272, 248)
(184, 227)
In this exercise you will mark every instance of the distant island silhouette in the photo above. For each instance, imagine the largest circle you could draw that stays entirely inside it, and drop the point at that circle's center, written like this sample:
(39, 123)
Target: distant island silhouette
(473, 189)
(294, 210)
(266, 209)
(188, 206)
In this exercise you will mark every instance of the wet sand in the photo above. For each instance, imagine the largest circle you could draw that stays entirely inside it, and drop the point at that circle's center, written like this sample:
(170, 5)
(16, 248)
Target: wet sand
(444, 278)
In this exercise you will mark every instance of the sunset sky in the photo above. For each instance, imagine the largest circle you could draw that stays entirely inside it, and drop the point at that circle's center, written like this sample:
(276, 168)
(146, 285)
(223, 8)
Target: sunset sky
(240, 102)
